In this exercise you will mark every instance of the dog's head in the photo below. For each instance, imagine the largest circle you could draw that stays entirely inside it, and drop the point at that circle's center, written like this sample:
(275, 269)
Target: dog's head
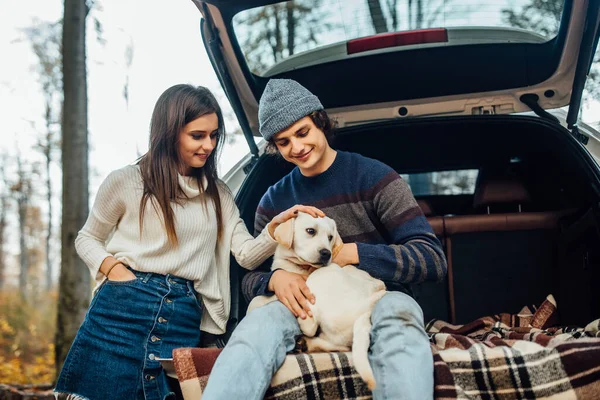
(314, 241)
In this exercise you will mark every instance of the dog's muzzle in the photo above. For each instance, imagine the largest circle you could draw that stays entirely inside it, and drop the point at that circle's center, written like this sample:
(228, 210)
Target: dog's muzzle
(324, 256)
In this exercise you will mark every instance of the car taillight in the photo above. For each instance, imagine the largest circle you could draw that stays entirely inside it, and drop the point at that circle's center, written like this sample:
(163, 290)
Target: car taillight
(394, 39)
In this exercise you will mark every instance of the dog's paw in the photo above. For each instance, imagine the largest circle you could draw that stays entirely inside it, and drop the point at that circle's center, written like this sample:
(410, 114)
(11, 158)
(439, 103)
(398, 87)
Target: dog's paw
(301, 345)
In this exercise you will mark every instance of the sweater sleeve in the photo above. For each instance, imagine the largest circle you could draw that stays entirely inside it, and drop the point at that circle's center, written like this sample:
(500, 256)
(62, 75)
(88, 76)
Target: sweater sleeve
(415, 254)
(108, 208)
(248, 251)
(256, 283)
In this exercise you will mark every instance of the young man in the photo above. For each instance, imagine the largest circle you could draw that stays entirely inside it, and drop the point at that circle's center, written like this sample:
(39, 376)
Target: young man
(384, 233)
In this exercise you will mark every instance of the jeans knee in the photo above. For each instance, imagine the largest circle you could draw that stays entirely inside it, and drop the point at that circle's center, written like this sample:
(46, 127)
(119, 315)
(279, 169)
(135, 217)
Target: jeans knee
(272, 319)
(397, 305)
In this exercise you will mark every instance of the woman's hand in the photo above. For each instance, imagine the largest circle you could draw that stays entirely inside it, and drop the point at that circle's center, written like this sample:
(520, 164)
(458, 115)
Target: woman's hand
(292, 213)
(120, 273)
(115, 270)
(291, 290)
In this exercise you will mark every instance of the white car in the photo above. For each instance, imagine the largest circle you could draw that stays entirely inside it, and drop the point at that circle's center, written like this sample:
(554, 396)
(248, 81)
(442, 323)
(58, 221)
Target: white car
(461, 111)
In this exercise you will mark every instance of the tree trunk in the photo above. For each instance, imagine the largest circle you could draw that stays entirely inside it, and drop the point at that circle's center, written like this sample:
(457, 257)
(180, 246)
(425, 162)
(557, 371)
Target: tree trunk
(393, 14)
(3, 206)
(377, 17)
(22, 191)
(74, 280)
(277, 48)
(48, 157)
(291, 28)
(4, 193)
(23, 259)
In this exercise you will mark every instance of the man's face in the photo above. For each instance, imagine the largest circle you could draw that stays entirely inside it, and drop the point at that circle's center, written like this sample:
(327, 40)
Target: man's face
(303, 144)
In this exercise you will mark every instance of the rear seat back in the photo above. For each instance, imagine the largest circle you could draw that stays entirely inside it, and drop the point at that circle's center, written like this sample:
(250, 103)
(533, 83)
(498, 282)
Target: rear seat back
(433, 297)
(437, 223)
(497, 262)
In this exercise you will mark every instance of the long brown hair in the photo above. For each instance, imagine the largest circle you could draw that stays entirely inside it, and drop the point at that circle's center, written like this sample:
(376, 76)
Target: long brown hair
(175, 108)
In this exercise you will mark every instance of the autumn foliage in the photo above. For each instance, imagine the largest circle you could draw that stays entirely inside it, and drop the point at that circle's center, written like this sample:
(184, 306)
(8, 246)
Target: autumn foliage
(27, 338)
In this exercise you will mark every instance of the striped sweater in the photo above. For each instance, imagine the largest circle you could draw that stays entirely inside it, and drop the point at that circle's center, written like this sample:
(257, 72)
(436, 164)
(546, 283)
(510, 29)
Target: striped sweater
(372, 206)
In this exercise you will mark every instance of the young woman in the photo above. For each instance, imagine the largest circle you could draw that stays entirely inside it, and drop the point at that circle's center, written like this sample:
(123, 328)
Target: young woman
(163, 275)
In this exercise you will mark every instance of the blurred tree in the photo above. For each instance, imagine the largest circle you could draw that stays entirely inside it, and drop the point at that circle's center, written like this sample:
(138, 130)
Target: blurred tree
(540, 16)
(419, 14)
(277, 31)
(22, 192)
(377, 17)
(45, 39)
(35, 230)
(74, 292)
(4, 196)
(543, 17)
(454, 182)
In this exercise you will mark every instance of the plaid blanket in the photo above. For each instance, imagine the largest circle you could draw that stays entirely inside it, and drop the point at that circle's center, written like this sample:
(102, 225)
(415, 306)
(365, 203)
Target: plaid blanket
(518, 356)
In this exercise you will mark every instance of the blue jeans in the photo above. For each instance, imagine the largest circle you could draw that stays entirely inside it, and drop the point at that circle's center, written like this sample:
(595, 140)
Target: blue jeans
(128, 325)
(400, 355)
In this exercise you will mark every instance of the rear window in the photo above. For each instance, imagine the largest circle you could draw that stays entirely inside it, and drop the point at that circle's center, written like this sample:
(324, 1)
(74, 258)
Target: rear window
(271, 34)
(442, 182)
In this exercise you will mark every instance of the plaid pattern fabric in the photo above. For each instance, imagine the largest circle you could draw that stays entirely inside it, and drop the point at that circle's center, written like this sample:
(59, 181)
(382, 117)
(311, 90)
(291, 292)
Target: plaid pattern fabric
(317, 376)
(516, 357)
(519, 356)
(302, 376)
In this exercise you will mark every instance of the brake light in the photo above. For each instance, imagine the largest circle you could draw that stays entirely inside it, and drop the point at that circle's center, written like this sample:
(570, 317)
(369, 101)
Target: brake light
(394, 39)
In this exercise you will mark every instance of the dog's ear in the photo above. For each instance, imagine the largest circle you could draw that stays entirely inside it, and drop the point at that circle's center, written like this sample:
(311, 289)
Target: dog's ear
(284, 233)
(337, 241)
(337, 245)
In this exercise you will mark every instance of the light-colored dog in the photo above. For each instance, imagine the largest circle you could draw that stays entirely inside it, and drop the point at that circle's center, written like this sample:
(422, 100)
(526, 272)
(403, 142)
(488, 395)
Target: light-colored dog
(344, 297)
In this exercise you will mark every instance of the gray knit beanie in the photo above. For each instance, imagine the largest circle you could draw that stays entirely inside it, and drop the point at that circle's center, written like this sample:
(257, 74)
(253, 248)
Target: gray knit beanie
(283, 103)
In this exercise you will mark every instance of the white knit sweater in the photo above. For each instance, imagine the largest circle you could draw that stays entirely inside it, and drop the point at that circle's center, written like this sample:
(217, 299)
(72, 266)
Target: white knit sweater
(116, 211)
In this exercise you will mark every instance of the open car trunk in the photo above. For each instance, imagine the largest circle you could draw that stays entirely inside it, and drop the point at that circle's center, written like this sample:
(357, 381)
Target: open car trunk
(540, 236)
(523, 253)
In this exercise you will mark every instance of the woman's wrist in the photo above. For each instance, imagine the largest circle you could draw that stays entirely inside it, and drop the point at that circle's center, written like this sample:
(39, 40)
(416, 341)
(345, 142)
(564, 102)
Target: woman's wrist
(108, 265)
(115, 268)
(118, 272)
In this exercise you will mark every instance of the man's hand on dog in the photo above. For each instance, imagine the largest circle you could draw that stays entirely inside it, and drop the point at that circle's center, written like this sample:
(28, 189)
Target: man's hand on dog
(292, 213)
(348, 255)
(291, 290)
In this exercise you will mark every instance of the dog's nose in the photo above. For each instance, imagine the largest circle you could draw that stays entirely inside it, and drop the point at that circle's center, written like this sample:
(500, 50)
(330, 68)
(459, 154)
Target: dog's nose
(325, 255)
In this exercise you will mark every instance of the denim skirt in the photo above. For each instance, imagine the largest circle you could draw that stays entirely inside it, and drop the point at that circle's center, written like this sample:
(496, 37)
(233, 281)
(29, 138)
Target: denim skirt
(128, 326)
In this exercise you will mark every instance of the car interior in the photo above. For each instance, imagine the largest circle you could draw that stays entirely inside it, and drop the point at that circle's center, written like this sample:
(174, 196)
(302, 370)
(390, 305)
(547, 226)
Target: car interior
(530, 227)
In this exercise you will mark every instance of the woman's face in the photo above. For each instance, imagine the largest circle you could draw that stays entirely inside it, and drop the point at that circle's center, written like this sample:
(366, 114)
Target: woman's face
(197, 140)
